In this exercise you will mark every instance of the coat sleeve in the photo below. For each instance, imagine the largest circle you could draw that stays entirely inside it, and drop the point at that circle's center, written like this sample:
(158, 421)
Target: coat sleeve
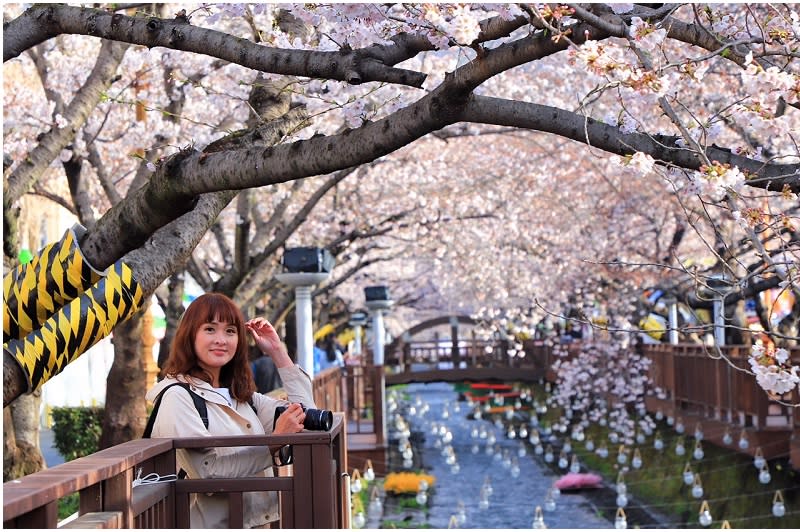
(297, 385)
(178, 418)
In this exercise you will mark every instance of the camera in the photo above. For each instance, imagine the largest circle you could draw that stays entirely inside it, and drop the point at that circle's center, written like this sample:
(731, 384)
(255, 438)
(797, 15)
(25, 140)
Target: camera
(315, 419)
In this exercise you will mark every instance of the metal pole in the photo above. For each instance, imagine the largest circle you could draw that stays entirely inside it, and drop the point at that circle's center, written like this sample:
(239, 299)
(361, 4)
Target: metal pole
(305, 335)
(357, 340)
(673, 323)
(719, 322)
(377, 337)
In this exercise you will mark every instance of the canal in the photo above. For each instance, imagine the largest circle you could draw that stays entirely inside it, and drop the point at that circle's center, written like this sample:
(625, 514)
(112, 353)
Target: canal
(484, 479)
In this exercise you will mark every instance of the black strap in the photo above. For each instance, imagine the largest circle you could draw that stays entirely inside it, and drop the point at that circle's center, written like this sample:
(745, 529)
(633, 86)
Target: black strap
(199, 404)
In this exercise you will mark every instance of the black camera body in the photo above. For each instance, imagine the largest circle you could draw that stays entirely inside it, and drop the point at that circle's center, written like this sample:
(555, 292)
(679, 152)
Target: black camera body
(315, 419)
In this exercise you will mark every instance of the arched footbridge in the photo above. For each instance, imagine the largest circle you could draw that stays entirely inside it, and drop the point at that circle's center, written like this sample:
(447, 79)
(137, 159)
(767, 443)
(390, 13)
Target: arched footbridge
(457, 355)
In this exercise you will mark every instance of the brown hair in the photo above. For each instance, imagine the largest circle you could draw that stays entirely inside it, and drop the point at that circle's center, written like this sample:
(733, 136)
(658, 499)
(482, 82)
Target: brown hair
(236, 375)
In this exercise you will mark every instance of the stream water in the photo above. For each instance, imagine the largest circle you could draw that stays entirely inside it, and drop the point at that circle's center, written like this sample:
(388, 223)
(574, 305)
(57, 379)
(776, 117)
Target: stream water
(484, 479)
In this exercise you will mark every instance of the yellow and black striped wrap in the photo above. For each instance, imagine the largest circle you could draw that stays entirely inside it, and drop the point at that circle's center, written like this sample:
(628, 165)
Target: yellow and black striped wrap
(34, 291)
(76, 327)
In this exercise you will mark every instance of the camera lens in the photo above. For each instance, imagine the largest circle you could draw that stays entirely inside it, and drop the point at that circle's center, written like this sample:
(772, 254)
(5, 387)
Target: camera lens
(318, 419)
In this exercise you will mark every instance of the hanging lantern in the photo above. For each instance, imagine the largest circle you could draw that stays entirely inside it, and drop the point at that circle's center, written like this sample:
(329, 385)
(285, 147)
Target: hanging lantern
(658, 443)
(563, 463)
(640, 439)
(727, 439)
(590, 445)
(621, 487)
(567, 446)
(778, 508)
(602, 451)
(549, 501)
(705, 518)
(680, 450)
(758, 459)
(523, 432)
(679, 427)
(453, 523)
(744, 443)
(636, 462)
(355, 482)
(620, 521)
(688, 476)
(369, 472)
(422, 497)
(548, 454)
(622, 500)
(375, 507)
(538, 518)
(697, 488)
(726, 525)
(698, 431)
(698, 451)
(487, 486)
(461, 513)
(359, 520)
(763, 476)
(622, 455)
(522, 450)
(575, 465)
(483, 501)
(613, 437)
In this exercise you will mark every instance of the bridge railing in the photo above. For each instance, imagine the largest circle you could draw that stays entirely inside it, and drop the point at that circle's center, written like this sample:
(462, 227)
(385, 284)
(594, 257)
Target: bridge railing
(362, 389)
(312, 490)
(718, 385)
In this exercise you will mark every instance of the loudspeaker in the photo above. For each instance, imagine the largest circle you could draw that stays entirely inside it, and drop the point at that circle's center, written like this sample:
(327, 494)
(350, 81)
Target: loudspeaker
(376, 293)
(307, 260)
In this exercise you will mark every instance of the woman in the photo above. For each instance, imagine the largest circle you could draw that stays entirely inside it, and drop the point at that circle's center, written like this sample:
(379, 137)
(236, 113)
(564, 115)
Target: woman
(209, 353)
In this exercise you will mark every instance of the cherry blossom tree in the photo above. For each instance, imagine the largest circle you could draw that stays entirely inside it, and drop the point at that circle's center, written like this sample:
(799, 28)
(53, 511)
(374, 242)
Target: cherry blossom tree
(501, 160)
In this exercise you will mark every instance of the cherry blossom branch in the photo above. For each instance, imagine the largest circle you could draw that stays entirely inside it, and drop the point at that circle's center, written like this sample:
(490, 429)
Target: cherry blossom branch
(45, 21)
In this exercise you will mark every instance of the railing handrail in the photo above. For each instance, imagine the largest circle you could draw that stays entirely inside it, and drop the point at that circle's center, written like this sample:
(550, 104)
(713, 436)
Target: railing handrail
(25, 494)
(39, 492)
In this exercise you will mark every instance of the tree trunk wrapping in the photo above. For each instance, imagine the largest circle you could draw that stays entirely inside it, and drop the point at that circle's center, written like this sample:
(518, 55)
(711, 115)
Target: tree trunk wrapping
(33, 292)
(76, 327)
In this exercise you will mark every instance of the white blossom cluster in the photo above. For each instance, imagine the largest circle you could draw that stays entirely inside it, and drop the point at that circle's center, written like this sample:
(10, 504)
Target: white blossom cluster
(773, 369)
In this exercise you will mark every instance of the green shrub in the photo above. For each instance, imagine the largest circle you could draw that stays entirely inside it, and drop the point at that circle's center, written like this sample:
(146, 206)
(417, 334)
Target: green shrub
(76, 430)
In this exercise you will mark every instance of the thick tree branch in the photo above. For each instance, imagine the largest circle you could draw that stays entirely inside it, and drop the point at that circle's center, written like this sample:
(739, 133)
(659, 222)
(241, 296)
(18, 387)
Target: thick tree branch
(662, 148)
(45, 21)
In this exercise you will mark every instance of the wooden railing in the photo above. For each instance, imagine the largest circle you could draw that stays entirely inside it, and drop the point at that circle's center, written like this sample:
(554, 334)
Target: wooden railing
(312, 490)
(364, 400)
(718, 385)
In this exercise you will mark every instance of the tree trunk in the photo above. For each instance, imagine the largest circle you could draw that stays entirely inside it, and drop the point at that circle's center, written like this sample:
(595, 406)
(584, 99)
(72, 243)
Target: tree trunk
(172, 314)
(21, 453)
(125, 411)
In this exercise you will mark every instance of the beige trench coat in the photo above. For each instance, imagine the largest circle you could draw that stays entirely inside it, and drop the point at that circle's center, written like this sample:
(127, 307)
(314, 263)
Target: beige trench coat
(178, 418)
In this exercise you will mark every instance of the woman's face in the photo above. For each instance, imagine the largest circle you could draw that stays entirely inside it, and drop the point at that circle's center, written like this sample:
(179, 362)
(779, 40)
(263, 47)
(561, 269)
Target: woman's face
(215, 345)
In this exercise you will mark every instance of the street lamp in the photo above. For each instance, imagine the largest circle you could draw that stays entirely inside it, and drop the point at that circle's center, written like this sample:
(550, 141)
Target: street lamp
(305, 267)
(377, 301)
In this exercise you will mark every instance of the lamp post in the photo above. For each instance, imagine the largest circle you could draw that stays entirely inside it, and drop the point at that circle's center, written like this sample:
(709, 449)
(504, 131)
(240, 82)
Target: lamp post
(378, 301)
(305, 268)
(672, 306)
(357, 320)
(719, 286)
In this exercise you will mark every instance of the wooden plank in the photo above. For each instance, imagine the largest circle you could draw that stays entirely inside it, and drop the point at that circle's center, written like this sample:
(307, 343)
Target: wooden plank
(96, 520)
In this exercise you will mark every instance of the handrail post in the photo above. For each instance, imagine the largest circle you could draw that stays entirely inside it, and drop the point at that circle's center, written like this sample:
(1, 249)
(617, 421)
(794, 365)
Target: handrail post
(378, 405)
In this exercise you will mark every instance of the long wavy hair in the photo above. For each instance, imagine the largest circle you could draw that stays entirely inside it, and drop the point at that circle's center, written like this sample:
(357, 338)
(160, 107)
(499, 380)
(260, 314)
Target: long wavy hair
(236, 375)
